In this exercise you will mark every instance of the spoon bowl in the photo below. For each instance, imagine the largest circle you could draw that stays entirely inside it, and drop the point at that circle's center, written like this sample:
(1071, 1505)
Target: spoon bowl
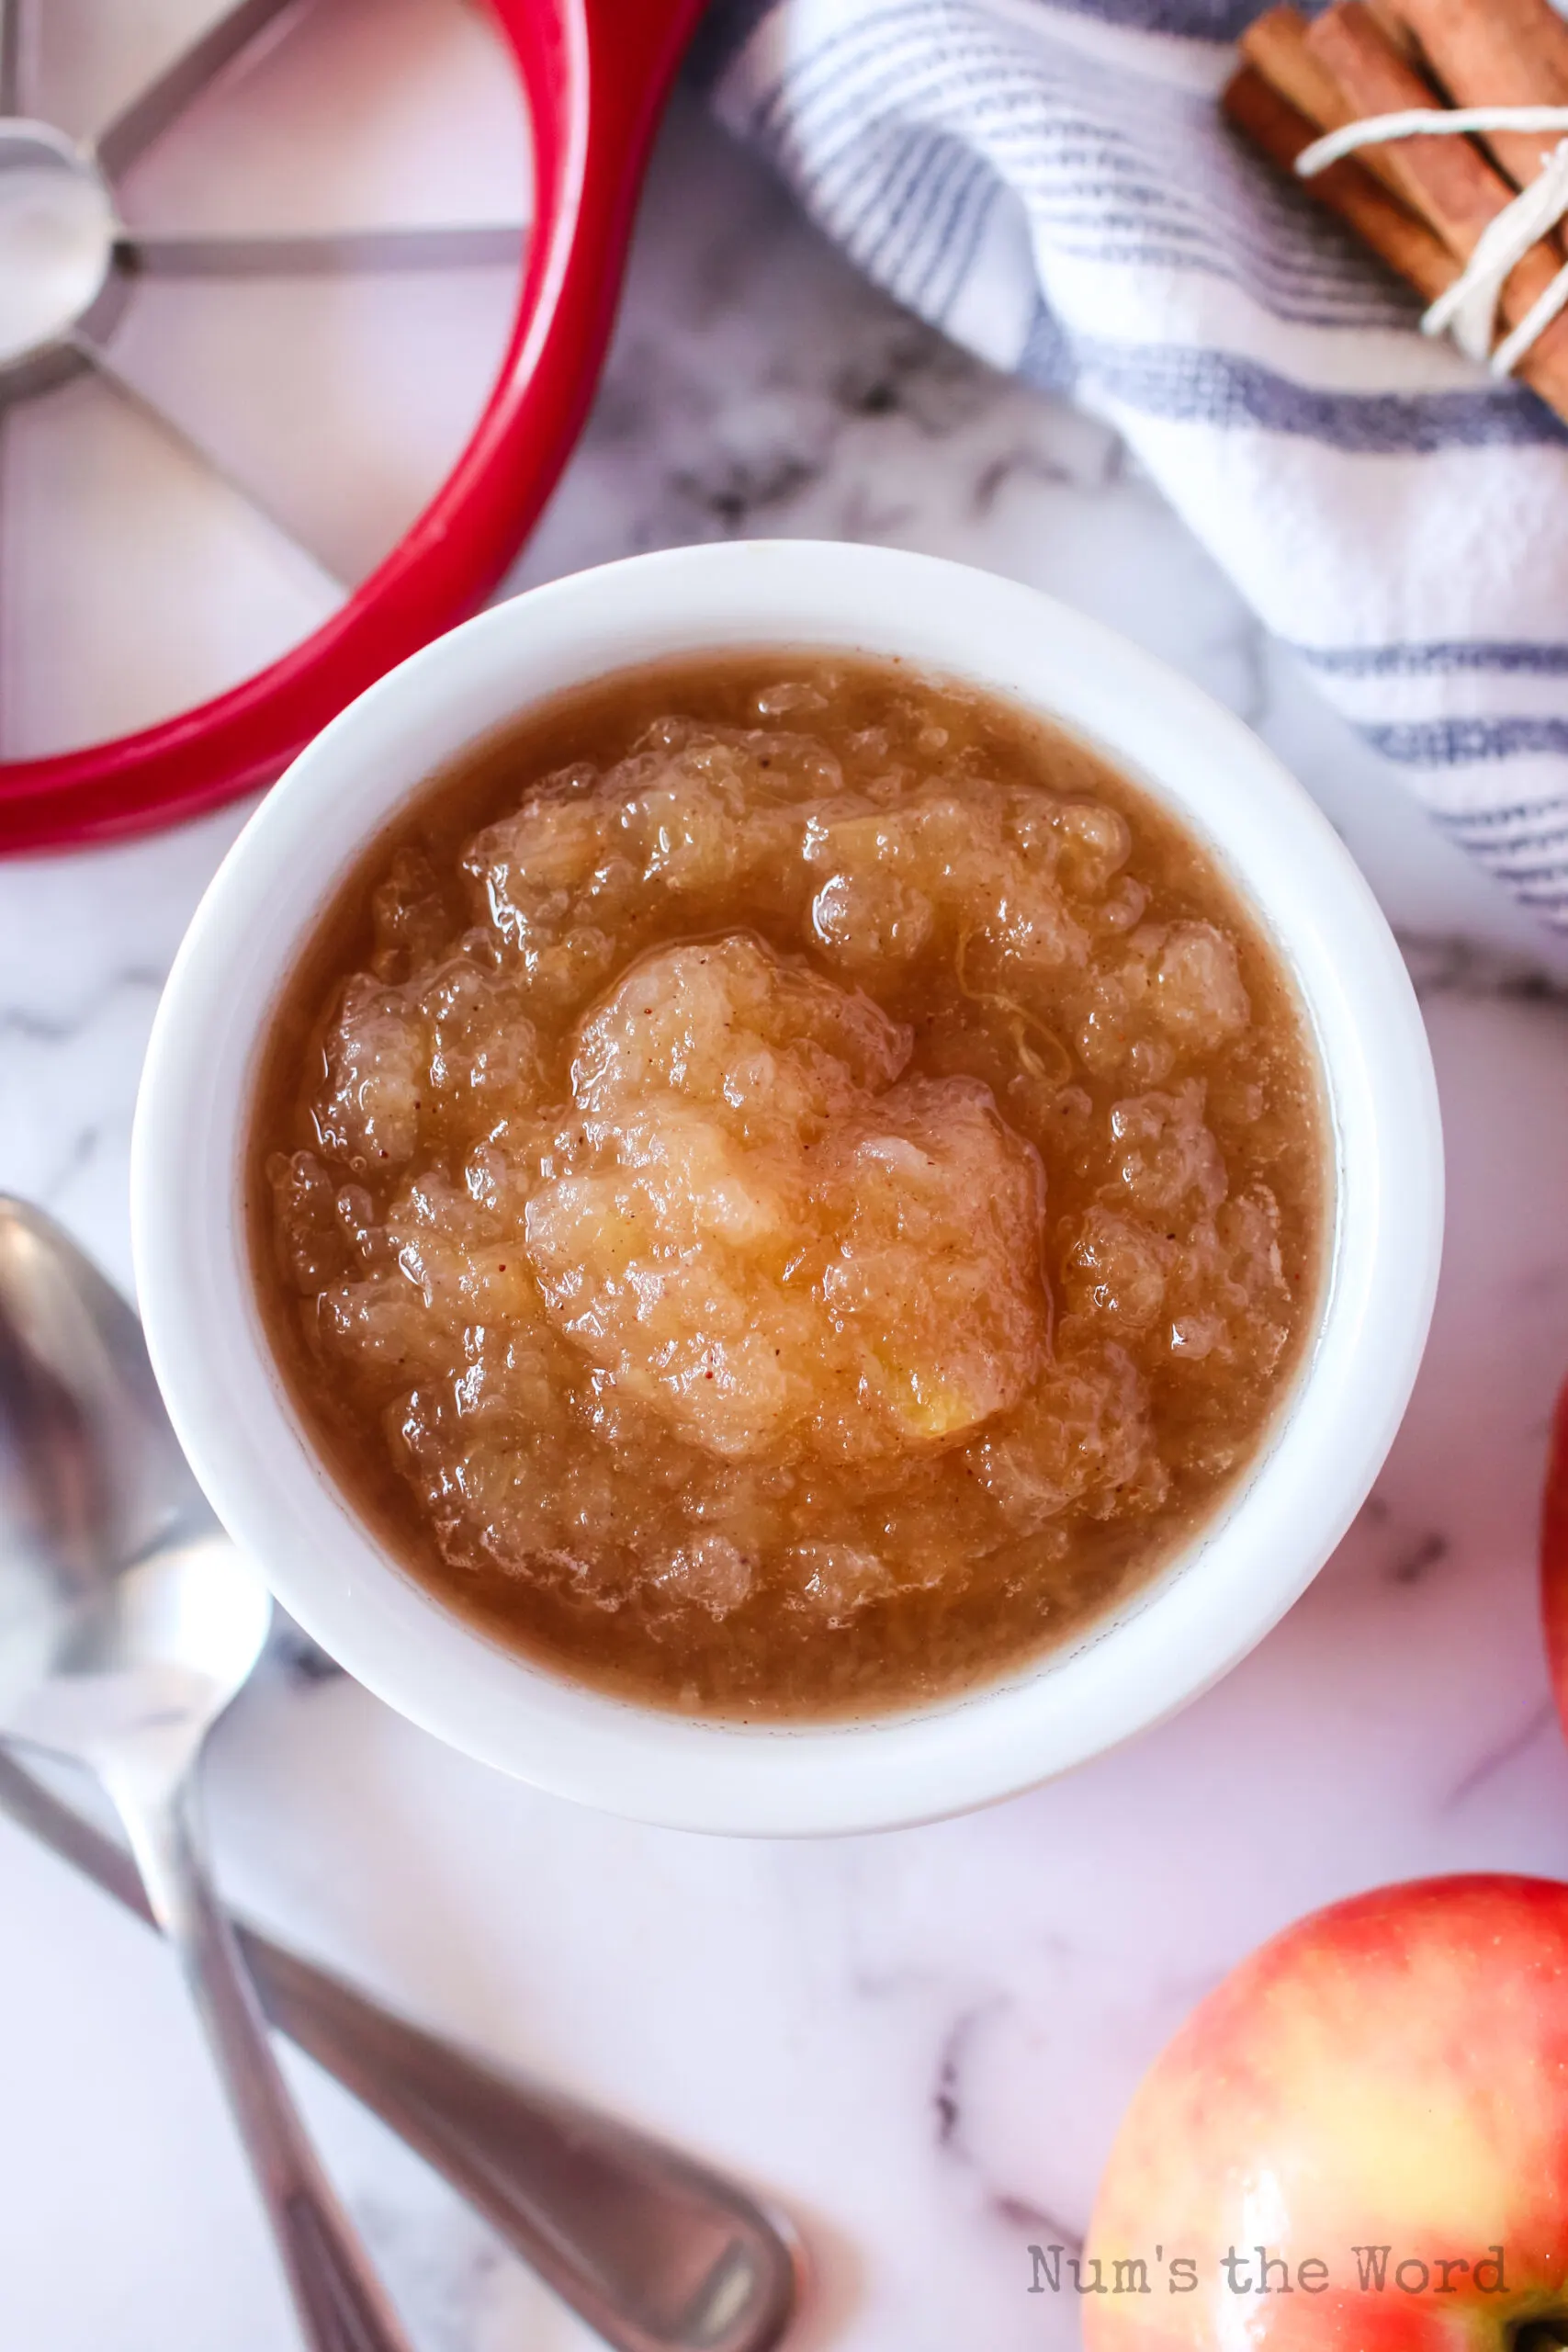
(154, 1657)
(91, 1474)
(121, 1604)
(126, 1616)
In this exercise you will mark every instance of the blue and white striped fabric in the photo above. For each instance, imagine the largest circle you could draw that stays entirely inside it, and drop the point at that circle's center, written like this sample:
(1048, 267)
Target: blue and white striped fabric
(1052, 185)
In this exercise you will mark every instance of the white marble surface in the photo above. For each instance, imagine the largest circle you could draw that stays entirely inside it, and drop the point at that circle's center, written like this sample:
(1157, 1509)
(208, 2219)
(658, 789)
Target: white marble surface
(922, 2042)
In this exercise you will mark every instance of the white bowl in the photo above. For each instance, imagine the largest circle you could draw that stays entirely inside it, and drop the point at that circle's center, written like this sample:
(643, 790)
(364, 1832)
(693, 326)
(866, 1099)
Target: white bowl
(1196, 1620)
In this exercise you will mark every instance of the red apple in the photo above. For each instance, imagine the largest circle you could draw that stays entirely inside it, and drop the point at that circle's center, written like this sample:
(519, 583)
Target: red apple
(1554, 1557)
(1359, 2141)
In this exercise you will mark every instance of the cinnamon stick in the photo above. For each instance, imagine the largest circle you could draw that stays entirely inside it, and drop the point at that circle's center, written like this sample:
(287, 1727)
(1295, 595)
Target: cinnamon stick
(1276, 43)
(1283, 131)
(1283, 123)
(1446, 180)
(1398, 33)
(1496, 52)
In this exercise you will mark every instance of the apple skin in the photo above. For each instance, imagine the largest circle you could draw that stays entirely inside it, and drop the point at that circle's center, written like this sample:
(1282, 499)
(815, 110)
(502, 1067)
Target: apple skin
(1391, 2071)
(1555, 1558)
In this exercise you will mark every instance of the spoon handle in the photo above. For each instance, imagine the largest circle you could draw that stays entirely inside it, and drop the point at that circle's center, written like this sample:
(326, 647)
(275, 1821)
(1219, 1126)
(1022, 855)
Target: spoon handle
(339, 2300)
(614, 2220)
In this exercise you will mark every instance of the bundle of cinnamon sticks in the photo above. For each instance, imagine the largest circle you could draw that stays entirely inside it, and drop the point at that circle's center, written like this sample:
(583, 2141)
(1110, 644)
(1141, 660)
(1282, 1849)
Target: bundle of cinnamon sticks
(1422, 203)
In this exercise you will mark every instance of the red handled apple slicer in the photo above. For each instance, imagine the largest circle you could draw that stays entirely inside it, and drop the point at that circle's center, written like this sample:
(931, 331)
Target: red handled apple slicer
(301, 304)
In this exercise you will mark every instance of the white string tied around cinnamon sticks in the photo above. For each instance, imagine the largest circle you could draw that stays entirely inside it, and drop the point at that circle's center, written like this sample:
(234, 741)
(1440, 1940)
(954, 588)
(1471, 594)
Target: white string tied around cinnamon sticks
(1470, 305)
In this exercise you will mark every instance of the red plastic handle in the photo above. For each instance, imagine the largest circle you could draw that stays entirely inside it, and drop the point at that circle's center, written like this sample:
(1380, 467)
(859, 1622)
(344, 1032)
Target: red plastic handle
(596, 74)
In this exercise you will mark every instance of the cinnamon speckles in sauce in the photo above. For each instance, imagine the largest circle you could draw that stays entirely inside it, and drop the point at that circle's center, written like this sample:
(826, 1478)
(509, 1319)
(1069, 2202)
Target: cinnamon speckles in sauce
(784, 1188)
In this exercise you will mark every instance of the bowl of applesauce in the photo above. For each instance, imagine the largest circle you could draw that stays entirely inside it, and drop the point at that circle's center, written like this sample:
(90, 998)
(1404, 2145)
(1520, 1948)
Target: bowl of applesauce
(784, 1188)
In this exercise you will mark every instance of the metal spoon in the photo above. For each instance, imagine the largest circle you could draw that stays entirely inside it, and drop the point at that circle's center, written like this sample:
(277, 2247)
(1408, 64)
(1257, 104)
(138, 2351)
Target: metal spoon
(126, 1626)
(655, 2251)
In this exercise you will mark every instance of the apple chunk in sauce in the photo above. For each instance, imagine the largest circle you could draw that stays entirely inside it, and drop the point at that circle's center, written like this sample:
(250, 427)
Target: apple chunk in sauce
(762, 1236)
(791, 1207)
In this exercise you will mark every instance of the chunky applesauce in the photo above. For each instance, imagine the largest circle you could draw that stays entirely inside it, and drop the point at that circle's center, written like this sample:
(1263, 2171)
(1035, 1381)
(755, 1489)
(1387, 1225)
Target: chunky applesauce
(785, 1187)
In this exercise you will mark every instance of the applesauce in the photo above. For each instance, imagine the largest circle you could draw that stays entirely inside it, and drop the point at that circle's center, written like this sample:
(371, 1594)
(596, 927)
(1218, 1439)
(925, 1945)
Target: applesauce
(784, 1187)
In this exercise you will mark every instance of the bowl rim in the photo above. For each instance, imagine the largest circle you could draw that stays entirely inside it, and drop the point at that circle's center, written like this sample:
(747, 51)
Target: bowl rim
(1180, 1633)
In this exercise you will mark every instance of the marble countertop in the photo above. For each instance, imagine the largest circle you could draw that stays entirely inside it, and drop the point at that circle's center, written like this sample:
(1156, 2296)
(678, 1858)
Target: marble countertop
(922, 2042)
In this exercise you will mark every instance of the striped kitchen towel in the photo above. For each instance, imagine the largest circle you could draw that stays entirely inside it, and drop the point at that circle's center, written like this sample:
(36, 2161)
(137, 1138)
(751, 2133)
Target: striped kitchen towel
(1052, 185)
